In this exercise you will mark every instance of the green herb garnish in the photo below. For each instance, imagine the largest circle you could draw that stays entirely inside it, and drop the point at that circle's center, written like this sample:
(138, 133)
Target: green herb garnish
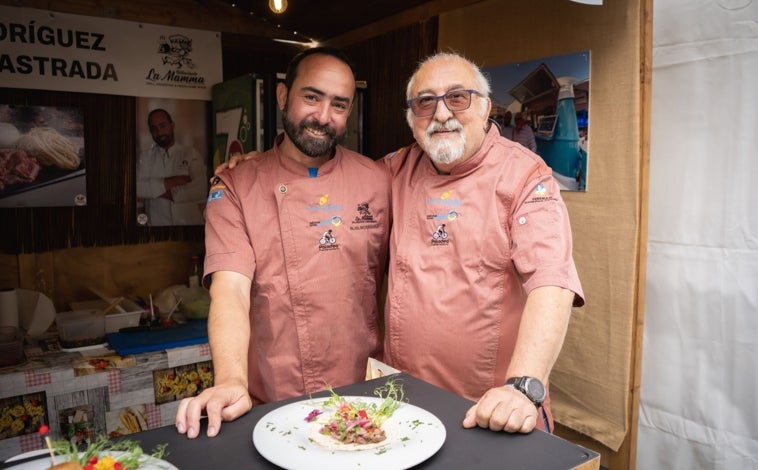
(132, 455)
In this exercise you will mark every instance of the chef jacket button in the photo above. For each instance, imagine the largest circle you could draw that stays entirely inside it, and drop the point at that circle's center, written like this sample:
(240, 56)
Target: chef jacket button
(282, 189)
(522, 220)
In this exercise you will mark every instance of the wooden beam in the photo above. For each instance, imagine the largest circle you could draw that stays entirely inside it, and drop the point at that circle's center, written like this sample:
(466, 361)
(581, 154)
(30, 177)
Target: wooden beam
(646, 79)
(217, 15)
(399, 20)
(211, 15)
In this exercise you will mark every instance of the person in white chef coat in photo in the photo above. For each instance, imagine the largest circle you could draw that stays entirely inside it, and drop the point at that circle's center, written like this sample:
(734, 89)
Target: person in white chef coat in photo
(171, 177)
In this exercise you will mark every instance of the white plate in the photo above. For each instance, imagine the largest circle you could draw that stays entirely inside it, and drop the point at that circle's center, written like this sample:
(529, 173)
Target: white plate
(44, 463)
(282, 437)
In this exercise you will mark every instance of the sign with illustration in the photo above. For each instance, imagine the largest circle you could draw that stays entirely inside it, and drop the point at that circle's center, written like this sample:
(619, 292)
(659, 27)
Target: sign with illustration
(56, 51)
(77, 424)
(543, 104)
(42, 156)
(172, 163)
(235, 115)
(22, 414)
(176, 383)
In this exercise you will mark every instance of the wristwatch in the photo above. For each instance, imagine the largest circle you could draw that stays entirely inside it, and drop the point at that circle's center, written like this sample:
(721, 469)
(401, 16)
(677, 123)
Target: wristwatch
(529, 386)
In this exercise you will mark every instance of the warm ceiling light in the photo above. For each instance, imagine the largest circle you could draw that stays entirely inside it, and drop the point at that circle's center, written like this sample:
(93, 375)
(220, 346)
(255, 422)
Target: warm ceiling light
(277, 6)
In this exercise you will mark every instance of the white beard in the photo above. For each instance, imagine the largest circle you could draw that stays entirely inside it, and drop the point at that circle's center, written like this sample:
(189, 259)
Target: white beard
(445, 150)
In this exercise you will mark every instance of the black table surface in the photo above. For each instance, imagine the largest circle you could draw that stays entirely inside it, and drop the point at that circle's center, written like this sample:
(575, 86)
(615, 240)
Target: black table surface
(463, 448)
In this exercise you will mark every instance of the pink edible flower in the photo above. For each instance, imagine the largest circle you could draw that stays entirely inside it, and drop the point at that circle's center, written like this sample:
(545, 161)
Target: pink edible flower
(312, 415)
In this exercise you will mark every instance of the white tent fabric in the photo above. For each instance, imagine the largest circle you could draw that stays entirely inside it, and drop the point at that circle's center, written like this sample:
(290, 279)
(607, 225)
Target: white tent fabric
(698, 405)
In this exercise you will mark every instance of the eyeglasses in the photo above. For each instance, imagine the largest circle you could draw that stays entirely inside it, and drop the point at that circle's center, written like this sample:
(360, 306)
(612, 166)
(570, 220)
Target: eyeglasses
(456, 101)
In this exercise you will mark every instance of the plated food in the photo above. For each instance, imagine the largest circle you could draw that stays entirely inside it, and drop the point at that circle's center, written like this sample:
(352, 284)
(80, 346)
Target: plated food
(378, 437)
(356, 424)
(100, 454)
(40, 460)
(290, 435)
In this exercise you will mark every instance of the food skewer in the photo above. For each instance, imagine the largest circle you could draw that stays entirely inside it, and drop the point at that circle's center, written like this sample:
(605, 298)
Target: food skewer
(152, 310)
(110, 307)
(43, 431)
(167, 320)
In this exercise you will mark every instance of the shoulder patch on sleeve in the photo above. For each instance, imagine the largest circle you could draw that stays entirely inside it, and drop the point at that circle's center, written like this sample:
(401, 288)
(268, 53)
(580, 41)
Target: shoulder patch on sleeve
(216, 192)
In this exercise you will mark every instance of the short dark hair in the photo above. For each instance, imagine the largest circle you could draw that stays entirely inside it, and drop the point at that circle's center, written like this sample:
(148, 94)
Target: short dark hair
(156, 111)
(324, 50)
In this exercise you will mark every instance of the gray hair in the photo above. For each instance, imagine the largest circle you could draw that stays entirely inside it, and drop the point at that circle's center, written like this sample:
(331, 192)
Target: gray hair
(482, 83)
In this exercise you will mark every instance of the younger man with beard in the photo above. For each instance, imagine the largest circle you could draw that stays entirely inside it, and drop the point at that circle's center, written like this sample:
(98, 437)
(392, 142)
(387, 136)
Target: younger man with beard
(481, 279)
(293, 310)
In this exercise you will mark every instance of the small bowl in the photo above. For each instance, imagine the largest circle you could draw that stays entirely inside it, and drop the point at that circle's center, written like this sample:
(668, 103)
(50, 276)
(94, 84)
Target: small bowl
(80, 328)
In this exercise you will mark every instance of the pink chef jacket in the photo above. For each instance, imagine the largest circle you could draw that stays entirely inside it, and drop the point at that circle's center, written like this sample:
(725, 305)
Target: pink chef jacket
(315, 249)
(465, 250)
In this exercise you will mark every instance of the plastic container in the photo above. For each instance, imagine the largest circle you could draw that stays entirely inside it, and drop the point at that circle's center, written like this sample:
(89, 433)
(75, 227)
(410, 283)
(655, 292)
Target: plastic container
(11, 346)
(80, 328)
(196, 302)
(126, 315)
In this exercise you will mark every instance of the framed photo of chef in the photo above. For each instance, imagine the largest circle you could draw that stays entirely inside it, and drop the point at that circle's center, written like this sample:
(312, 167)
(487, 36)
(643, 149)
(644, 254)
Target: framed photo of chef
(42, 154)
(172, 161)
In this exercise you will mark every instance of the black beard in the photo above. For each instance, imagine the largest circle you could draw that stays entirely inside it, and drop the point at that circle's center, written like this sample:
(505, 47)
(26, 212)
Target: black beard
(163, 141)
(308, 145)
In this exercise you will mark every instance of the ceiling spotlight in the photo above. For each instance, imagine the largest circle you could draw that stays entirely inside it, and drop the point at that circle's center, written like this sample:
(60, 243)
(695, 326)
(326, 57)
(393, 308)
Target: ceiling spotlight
(277, 6)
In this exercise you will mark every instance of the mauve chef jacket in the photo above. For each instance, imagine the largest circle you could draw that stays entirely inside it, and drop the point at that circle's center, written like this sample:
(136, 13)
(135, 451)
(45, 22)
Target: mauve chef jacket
(315, 249)
(465, 251)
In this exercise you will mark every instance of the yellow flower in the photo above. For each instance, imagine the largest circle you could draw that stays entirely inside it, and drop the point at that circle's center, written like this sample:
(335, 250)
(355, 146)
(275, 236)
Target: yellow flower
(106, 463)
(18, 411)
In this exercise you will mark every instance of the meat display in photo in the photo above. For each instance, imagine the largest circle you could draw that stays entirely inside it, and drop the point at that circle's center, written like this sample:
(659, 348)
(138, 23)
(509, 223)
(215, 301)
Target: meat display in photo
(16, 166)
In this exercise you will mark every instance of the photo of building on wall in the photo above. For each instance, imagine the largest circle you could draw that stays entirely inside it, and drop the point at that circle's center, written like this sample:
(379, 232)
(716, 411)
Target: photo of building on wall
(544, 105)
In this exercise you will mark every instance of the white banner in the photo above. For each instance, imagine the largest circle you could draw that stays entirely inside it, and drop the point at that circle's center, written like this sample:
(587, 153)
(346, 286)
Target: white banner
(56, 51)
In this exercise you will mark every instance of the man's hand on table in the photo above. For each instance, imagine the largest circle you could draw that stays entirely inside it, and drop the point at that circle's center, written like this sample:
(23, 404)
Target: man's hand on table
(503, 409)
(225, 402)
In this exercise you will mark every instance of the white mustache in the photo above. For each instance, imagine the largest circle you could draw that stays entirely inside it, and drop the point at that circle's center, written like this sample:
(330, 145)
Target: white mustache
(449, 125)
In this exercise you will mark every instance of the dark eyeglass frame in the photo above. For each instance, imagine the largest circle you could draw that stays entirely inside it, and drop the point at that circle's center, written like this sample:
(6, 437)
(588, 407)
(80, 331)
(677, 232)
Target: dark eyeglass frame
(414, 101)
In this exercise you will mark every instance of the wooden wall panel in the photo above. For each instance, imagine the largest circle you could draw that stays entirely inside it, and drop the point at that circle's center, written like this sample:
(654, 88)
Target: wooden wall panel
(129, 270)
(595, 383)
(385, 63)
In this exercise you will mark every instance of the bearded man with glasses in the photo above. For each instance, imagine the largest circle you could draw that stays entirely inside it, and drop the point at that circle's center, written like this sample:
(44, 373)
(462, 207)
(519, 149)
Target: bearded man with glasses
(482, 278)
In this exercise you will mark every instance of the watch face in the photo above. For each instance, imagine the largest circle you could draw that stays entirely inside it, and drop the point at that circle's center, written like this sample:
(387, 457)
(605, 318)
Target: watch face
(535, 390)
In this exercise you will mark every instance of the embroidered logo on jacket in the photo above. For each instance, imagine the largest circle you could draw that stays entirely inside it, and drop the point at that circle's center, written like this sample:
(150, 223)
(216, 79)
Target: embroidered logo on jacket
(540, 194)
(323, 205)
(364, 219)
(440, 235)
(328, 241)
(217, 190)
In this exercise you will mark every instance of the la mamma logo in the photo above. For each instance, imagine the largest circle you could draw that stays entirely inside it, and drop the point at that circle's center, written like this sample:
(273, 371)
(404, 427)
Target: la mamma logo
(174, 52)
